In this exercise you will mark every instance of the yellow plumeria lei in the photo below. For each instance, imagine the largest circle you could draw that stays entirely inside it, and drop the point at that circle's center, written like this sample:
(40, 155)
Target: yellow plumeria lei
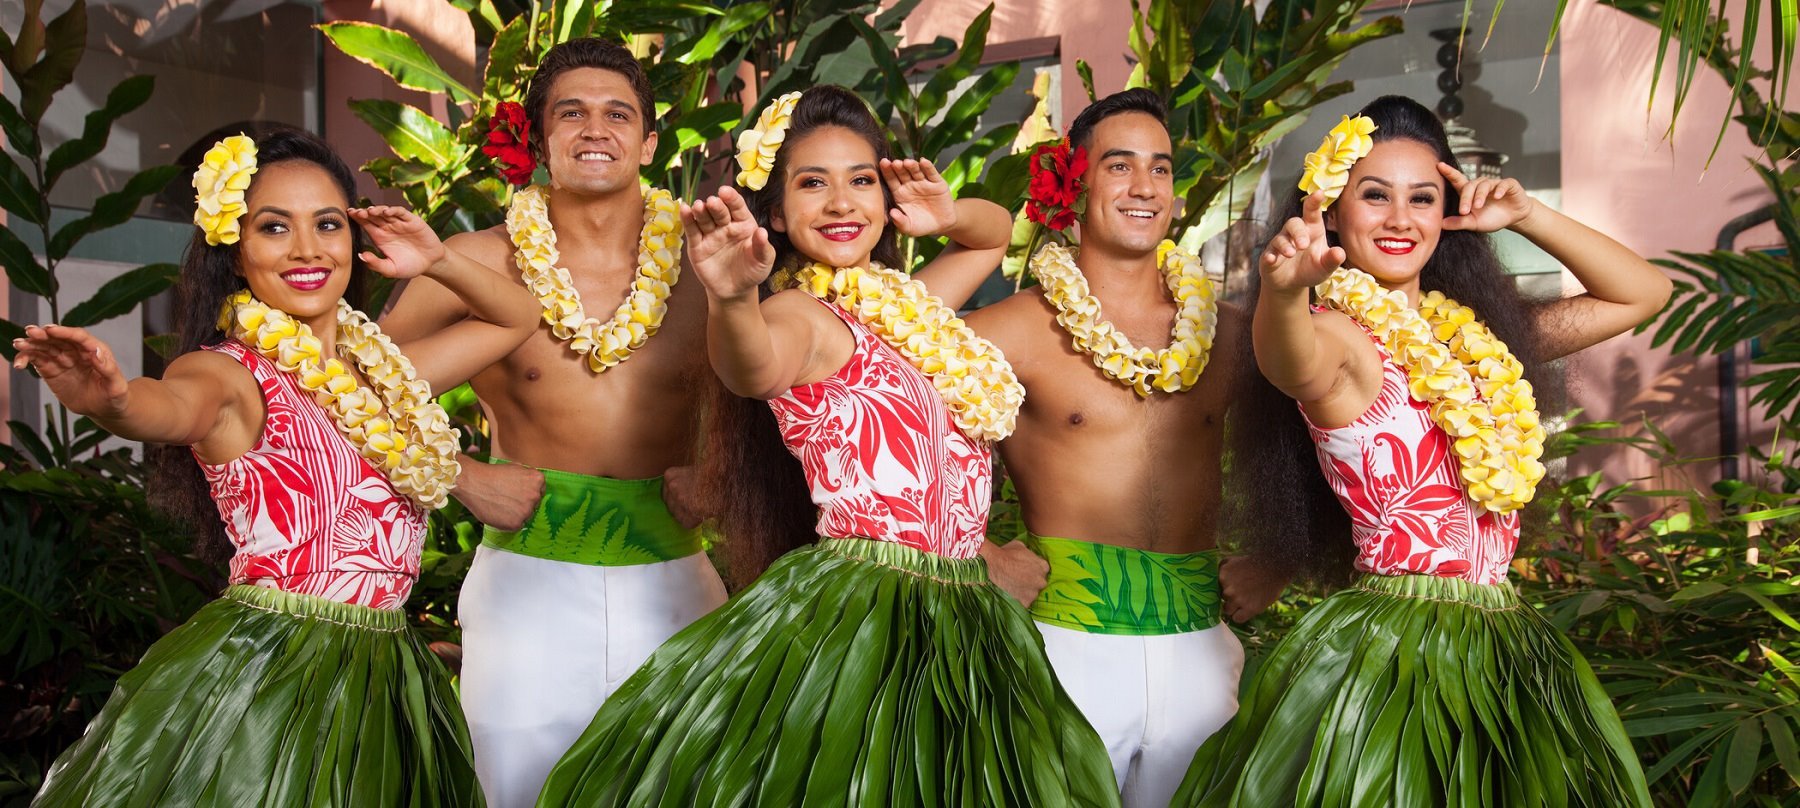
(970, 373)
(219, 185)
(396, 425)
(757, 145)
(1475, 388)
(1172, 369)
(1328, 168)
(659, 266)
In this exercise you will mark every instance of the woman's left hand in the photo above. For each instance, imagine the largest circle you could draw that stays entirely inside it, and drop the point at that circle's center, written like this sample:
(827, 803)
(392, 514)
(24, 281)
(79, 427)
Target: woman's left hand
(1486, 205)
(923, 204)
(410, 246)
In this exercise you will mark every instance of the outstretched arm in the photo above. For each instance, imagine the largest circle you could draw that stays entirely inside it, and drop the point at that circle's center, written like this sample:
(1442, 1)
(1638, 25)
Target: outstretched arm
(1292, 349)
(183, 408)
(1622, 289)
(759, 349)
(502, 314)
(978, 230)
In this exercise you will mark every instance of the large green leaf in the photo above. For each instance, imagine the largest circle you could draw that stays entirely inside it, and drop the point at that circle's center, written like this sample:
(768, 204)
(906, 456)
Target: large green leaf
(10, 331)
(695, 128)
(22, 268)
(65, 40)
(717, 33)
(113, 209)
(963, 116)
(398, 55)
(19, 195)
(936, 91)
(410, 132)
(501, 80)
(19, 54)
(126, 96)
(122, 294)
(21, 136)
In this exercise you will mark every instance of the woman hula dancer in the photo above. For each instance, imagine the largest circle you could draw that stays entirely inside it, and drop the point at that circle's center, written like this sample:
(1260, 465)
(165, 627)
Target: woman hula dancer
(314, 451)
(875, 665)
(1427, 682)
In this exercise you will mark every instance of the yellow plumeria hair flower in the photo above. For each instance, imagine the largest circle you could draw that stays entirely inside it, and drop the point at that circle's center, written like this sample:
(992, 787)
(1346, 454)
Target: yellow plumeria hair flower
(758, 144)
(1328, 168)
(219, 186)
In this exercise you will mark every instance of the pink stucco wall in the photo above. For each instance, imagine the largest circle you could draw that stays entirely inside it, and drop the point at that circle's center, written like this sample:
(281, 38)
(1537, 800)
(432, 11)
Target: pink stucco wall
(1622, 177)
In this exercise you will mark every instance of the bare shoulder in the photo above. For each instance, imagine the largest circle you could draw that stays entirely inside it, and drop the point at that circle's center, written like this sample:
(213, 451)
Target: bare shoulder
(794, 304)
(1013, 322)
(214, 369)
(491, 248)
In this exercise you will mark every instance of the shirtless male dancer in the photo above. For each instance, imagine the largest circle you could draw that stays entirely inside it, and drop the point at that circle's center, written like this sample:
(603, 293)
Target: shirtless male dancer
(597, 573)
(1120, 489)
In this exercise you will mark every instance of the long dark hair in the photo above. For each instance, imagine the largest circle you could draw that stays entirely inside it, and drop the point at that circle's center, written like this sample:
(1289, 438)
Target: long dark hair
(209, 274)
(760, 496)
(1277, 503)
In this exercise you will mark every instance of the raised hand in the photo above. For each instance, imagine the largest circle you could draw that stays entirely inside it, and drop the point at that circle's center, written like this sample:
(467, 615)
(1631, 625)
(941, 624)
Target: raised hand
(79, 369)
(1486, 205)
(729, 251)
(1300, 256)
(923, 204)
(408, 242)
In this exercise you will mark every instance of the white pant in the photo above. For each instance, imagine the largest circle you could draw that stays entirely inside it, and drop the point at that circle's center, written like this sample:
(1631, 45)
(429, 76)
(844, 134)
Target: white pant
(1153, 700)
(546, 642)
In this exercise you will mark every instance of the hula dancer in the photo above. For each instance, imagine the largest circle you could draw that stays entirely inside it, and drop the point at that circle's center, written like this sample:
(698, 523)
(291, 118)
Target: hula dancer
(1116, 453)
(313, 451)
(570, 591)
(1427, 682)
(876, 665)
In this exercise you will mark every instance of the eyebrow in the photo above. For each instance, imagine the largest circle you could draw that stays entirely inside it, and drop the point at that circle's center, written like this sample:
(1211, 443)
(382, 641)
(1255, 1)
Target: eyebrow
(1110, 153)
(1420, 184)
(821, 169)
(612, 103)
(324, 211)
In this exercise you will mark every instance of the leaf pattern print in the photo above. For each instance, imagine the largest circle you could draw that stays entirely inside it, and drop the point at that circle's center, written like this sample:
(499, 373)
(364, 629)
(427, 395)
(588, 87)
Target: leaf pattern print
(1096, 586)
(305, 512)
(1394, 473)
(882, 456)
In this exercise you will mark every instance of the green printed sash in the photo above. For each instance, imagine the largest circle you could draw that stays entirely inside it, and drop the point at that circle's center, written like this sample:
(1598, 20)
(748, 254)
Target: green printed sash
(599, 521)
(1103, 589)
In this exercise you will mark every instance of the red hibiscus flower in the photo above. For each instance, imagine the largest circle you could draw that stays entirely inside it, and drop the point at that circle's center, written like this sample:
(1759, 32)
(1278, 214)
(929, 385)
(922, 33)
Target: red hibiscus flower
(509, 143)
(1055, 194)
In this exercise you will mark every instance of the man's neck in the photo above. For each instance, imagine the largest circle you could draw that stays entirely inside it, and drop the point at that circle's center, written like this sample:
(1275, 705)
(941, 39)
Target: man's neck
(598, 220)
(1124, 272)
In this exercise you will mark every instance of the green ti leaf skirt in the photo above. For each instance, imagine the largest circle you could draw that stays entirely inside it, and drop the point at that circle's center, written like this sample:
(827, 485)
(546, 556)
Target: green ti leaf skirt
(1420, 691)
(268, 698)
(853, 672)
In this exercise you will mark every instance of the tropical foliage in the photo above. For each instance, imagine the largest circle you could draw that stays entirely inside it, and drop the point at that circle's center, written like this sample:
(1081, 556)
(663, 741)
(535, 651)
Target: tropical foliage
(1687, 615)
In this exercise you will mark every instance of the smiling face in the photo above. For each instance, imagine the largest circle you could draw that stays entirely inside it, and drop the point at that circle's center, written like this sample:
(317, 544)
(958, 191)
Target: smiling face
(1391, 213)
(593, 138)
(1130, 185)
(297, 250)
(833, 208)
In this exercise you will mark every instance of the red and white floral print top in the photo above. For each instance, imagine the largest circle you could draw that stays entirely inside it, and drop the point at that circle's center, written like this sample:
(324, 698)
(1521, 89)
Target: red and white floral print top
(882, 456)
(305, 511)
(1393, 470)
